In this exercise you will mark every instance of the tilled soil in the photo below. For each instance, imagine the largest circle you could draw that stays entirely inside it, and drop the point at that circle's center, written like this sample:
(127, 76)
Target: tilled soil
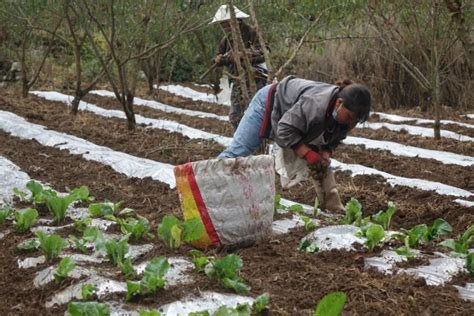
(296, 281)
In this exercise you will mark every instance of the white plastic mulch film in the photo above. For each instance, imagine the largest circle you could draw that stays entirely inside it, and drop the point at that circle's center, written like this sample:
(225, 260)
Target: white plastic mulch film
(234, 198)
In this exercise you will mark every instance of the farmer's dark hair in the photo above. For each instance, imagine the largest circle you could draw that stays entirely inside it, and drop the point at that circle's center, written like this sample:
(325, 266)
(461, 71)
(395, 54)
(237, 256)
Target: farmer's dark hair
(356, 98)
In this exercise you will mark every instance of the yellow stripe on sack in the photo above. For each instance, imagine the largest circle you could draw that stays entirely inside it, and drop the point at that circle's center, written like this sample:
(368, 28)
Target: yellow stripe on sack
(188, 204)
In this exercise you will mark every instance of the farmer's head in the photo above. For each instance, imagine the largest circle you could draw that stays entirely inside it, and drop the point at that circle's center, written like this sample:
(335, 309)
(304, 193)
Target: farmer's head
(352, 104)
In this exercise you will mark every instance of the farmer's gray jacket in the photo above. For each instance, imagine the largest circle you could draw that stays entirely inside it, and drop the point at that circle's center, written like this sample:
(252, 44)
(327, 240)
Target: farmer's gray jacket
(299, 114)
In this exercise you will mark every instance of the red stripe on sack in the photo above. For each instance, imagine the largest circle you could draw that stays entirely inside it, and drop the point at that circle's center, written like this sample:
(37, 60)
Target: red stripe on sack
(206, 219)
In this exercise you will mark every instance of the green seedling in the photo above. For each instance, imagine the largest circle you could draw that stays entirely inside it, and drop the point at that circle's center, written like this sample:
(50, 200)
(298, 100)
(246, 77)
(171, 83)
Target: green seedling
(470, 263)
(87, 291)
(95, 236)
(127, 268)
(460, 245)
(353, 211)
(51, 245)
(143, 312)
(406, 250)
(82, 194)
(440, 227)
(173, 232)
(117, 249)
(262, 303)
(137, 228)
(105, 209)
(59, 205)
(307, 246)
(81, 224)
(66, 265)
(39, 195)
(331, 304)
(225, 270)
(296, 208)
(309, 224)
(384, 218)
(200, 260)
(375, 234)
(239, 310)
(79, 244)
(278, 205)
(5, 212)
(21, 195)
(24, 219)
(88, 309)
(29, 245)
(152, 280)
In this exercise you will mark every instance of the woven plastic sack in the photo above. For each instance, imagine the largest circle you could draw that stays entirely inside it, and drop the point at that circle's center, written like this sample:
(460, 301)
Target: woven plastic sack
(234, 198)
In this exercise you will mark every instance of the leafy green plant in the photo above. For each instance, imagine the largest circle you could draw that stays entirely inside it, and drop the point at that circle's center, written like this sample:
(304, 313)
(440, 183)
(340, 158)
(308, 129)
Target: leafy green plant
(152, 280)
(296, 208)
(88, 309)
(461, 244)
(470, 263)
(225, 271)
(117, 249)
(309, 224)
(82, 194)
(88, 290)
(406, 250)
(81, 224)
(375, 234)
(199, 259)
(384, 218)
(21, 195)
(440, 227)
(106, 209)
(5, 212)
(353, 211)
(65, 266)
(51, 245)
(79, 244)
(59, 205)
(29, 245)
(417, 235)
(143, 312)
(307, 246)
(173, 232)
(94, 235)
(262, 303)
(127, 268)
(331, 304)
(24, 219)
(278, 205)
(38, 193)
(239, 310)
(137, 228)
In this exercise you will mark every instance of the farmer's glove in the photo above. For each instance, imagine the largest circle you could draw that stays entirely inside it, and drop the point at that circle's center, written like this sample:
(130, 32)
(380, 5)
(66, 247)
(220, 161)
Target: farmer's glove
(315, 163)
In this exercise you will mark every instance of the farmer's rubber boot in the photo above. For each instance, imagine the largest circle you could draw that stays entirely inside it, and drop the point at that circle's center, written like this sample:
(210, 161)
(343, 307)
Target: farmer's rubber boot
(327, 193)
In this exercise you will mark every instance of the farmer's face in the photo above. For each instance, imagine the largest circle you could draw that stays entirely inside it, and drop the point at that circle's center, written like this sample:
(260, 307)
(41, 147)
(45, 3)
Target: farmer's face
(345, 116)
(226, 26)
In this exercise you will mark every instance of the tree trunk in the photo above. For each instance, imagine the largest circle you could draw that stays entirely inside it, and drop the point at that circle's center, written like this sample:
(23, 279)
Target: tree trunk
(261, 40)
(242, 74)
(127, 103)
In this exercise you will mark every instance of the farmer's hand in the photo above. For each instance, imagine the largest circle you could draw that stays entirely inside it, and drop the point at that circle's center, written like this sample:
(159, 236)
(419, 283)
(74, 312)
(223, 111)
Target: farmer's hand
(326, 158)
(219, 59)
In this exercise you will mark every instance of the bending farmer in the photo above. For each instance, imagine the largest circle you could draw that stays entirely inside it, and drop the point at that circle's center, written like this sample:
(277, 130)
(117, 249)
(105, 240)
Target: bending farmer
(225, 57)
(307, 118)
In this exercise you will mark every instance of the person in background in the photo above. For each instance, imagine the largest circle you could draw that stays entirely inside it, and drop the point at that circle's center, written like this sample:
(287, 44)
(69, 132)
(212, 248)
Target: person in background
(308, 118)
(225, 57)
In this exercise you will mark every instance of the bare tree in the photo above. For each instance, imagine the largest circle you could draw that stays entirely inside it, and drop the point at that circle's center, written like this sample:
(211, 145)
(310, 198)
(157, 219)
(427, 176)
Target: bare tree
(430, 35)
(31, 23)
(127, 41)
